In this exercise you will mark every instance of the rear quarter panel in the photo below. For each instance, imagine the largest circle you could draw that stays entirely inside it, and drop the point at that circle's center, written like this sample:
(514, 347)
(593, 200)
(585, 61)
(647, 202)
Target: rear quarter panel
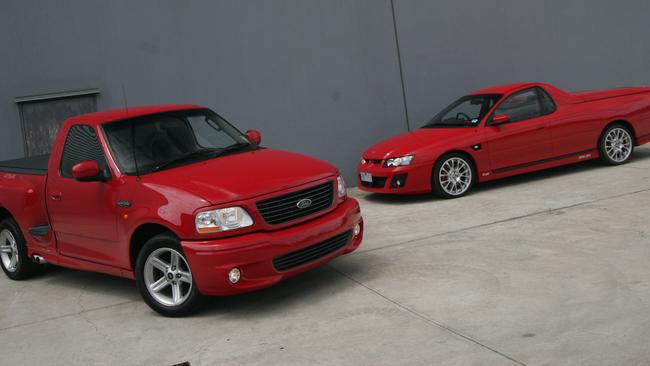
(578, 126)
(23, 196)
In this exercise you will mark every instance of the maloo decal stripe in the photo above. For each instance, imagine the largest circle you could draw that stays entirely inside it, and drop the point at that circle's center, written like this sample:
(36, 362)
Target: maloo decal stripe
(644, 136)
(537, 162)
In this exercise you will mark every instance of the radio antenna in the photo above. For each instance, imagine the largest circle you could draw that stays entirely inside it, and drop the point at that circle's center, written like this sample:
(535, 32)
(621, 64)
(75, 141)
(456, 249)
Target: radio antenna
(135, 159)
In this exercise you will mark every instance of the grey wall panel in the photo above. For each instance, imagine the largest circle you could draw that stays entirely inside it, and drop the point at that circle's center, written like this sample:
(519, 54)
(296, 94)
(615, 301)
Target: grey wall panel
(450, 47)
(315, 77)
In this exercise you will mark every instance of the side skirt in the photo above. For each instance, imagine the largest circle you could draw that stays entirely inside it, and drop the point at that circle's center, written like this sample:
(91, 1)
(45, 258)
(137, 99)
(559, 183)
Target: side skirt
(532, 166)
(79, 264)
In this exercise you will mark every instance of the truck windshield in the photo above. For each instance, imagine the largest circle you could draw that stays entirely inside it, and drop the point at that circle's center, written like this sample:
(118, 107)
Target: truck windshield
(171, 139)
(467, 111)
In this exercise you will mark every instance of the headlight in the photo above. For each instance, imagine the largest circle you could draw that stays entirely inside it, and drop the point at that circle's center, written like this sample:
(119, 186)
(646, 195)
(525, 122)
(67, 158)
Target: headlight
(401, 161)
(223, 219)
(341, 186)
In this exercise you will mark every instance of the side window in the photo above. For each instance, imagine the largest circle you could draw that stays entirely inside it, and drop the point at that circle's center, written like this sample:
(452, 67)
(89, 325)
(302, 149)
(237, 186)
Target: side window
(548, 106)
(521, 106)
(81, 145)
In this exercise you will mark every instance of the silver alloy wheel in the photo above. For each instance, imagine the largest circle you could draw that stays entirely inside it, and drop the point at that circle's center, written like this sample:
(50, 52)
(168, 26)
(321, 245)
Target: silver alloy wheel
(8, 251)
(168, 277)
(455, 176)
(618, 144)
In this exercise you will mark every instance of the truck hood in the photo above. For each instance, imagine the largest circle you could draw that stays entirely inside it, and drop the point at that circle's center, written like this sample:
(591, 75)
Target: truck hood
(416, 141)
(243, 175)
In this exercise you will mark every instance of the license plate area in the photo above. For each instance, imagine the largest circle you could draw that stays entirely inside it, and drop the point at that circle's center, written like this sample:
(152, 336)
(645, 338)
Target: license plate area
(366, 177)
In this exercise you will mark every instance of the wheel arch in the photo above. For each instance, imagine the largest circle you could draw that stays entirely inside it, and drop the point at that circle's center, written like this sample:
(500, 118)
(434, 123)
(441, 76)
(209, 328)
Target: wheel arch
(142, 234)
(461, 152)
(622, 122)
(5, 214)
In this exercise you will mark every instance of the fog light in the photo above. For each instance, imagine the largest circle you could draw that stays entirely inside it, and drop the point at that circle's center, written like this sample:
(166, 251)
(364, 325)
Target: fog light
(398, 181)
(234, 275)
(357, 229)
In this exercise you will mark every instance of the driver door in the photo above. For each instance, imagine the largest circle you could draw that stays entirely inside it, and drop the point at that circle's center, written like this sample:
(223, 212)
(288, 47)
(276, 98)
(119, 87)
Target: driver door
(525, 140)
(83, 214)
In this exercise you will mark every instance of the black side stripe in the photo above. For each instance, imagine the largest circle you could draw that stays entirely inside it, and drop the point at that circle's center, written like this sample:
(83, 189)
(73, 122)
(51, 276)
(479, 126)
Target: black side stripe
(537, 162)
(643, 136)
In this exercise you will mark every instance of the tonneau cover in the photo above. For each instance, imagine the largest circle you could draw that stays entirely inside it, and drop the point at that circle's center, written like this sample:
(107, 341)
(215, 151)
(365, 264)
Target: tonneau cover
(35, 165)
(591, 95)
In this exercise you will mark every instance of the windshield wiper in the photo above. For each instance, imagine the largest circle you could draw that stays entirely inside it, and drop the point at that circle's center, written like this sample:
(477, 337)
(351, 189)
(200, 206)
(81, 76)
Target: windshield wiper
(211, 152)
(231, 148)
(189, 156)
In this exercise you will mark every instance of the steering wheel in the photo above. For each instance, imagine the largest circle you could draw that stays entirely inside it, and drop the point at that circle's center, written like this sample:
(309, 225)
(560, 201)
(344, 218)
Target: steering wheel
(461, 114)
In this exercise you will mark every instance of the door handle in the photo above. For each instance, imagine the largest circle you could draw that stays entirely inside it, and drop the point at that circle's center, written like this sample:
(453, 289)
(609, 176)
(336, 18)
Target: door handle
(56, 196)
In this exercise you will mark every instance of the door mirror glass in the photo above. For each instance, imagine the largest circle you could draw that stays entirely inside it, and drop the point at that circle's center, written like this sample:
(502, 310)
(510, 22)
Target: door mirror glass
(87, 171)
(501, 119)
(254, 136)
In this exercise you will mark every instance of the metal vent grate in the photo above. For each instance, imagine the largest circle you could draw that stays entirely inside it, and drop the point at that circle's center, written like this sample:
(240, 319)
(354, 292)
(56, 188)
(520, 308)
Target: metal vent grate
(296, 205)
(309, 254)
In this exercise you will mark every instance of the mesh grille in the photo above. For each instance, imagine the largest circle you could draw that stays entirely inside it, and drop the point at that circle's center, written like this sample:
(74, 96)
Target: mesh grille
(285, 208)
(309, 254)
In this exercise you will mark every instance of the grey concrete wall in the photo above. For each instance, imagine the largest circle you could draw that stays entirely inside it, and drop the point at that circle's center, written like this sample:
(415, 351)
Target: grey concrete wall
(451, 47)
(313, 76)
(319, 77)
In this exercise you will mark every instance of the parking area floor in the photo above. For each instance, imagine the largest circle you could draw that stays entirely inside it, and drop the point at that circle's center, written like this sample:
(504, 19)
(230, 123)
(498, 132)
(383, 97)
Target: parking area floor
(550, 268)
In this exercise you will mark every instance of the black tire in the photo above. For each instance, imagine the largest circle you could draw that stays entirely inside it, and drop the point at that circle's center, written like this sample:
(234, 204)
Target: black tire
(436, 185)
(194, 298)
(24, 267)
(602, 145)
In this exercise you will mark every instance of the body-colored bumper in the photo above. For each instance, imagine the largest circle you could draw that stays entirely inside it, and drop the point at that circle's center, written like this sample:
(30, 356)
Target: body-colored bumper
(253, 253)
(417, 178)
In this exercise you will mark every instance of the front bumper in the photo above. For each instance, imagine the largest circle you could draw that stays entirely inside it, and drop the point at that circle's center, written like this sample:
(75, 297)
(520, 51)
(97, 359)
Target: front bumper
(253, 253)
(415, 178)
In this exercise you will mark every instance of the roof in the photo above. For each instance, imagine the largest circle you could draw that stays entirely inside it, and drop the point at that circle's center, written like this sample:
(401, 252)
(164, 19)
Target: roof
(504, 89)
(101, 117)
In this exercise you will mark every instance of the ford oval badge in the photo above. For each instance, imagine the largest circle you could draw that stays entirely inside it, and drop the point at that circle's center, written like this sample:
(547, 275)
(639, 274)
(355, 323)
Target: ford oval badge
(303, 203)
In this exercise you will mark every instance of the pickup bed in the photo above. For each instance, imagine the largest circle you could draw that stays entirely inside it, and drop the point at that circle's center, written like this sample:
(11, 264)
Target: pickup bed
(36, 165)
(176, 198)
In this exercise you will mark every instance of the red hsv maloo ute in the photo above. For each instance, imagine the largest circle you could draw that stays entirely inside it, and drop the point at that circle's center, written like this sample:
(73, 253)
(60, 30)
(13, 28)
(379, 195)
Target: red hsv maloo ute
(176, 198)
(508, 130)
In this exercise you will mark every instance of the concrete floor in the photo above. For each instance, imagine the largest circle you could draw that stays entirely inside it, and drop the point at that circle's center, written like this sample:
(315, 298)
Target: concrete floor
(549, 268)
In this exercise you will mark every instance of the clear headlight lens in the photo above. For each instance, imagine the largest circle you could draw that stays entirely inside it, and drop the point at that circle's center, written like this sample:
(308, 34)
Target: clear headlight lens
(341, 186)
(223, 219)
(401, 161)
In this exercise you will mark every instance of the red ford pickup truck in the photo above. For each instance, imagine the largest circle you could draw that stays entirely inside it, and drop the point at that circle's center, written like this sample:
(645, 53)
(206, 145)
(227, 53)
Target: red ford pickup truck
(176, 198)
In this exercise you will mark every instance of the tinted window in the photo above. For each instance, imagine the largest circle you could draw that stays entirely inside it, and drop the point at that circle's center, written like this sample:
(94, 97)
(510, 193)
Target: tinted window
(81, 145)
(467, 111)
(209, 132)
(521, 106)
(171, 139)
(548, 106)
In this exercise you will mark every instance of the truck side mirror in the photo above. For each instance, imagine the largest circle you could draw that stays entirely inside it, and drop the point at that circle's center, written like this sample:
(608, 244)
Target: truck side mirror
(500, 119)
(87, 171)
(254, 136)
